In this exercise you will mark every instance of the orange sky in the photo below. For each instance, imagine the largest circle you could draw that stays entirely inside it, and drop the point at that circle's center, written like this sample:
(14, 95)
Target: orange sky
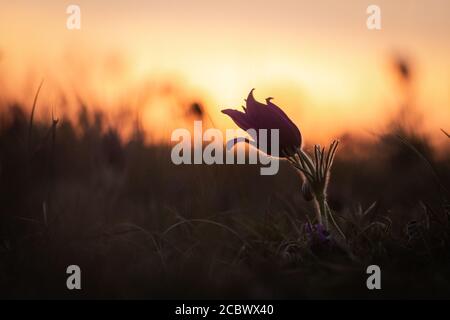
(316, 58)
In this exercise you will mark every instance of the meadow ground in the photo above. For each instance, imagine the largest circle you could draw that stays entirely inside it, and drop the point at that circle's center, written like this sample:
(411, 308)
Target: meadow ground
(141, 227)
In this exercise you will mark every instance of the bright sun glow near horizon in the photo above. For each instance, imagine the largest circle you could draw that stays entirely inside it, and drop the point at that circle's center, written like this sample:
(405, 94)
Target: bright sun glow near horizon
(317, 59)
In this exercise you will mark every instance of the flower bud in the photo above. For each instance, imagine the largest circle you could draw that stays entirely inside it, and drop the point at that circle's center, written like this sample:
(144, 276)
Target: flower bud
(306, 191)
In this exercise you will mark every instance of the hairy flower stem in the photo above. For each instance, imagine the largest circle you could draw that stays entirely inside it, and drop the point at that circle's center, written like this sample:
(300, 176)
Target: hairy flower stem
(315, 171)
(321, 209)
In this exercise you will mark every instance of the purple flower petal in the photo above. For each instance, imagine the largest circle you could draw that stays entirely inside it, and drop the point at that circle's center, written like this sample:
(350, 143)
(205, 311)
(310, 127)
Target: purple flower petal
(239, 118)
(268, 116)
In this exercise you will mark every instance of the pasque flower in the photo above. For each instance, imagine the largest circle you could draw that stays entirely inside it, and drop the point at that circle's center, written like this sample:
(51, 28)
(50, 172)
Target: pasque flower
(268, 116)
(315, 170)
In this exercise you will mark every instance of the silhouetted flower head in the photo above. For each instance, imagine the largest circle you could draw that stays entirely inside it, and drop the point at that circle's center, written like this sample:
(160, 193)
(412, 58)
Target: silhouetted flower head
(268, 116)
(403, 68)
(196, 109)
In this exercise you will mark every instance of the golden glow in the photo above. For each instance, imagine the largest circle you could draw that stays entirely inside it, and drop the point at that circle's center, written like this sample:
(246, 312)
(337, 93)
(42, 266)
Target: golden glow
(315, 57)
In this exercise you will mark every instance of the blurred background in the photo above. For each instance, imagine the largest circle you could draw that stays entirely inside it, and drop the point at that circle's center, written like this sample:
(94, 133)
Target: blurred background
(85, 170)
(150, 58)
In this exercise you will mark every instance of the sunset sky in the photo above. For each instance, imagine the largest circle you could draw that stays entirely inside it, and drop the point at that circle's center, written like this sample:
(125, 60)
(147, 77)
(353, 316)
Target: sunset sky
(317, 58)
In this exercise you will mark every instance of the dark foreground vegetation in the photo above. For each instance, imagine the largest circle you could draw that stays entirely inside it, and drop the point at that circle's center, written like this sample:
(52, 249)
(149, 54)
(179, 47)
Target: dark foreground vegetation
(141, 227)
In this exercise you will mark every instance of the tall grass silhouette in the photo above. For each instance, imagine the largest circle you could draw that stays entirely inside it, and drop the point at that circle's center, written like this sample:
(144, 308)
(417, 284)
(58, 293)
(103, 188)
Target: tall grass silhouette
(76, 192)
